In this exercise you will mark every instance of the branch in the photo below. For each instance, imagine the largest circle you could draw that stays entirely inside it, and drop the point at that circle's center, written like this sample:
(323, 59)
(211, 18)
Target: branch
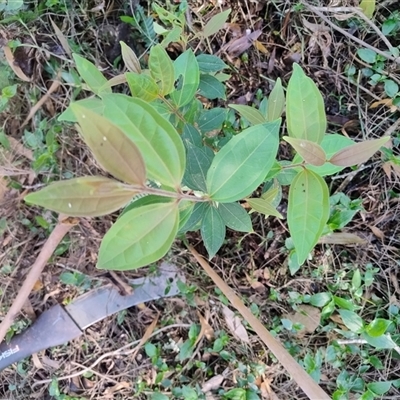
(61, 229)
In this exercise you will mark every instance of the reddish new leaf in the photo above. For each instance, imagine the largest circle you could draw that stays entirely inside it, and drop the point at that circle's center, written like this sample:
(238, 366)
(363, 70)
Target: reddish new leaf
(88, 196)
(311, 152)
(358, 153)
(113, 150)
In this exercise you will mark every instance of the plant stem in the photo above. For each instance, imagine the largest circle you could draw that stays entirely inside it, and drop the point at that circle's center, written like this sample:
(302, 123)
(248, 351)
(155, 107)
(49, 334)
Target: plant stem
(172, 108)
(165, 193)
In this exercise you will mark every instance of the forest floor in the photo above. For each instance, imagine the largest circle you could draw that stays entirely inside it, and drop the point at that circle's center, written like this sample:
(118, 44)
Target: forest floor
(260, 42)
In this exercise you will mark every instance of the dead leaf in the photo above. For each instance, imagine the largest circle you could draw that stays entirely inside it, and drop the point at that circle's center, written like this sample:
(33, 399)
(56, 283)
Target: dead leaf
(61, 38)
(260, 47)
(385, 102)
(146, 336)
(341, 238)
(238, 46)
(11, 62)
(36, 361)
(206, 330)
(53, 364)
(308, 316)
(212, 384)
(377, 232)
(119, 386)
(235, 325)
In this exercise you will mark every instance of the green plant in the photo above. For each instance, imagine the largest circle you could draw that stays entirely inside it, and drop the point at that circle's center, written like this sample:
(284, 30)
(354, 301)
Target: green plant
(176, 177)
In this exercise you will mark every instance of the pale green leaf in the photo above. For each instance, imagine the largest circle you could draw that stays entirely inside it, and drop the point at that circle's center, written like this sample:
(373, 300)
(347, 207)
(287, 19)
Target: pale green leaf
(216, 23)
(130, 59)
(140, 237)
(91, 75)
(250, 113)
(311, 152)
(158, 141)
(235, 217)
(212, 231)
(209, 63)
(379, 388)
(113, 150)
(368, 7)
(93, 103)
(331, 144)
(308, 211)
(162, 69)
(185, 212)
(264, 206)
(380, 342)
(276, 102)
(142, 86)
(352, 321)
(270, 194)
(358, 153)
(89, 196)
(305, 111)
(243, 163)
(187, 76)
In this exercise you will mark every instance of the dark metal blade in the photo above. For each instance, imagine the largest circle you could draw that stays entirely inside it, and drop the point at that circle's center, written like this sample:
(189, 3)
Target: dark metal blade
(105, 301)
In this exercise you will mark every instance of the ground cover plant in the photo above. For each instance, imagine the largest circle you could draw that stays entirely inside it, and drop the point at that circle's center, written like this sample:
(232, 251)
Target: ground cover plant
(192, 182)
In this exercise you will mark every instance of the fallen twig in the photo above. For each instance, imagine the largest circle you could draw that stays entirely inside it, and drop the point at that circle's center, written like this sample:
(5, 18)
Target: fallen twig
(300, 376)
(61, 229)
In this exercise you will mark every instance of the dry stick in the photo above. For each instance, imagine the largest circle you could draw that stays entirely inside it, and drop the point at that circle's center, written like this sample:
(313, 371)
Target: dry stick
(350, 36)
(61, 229)
(306, 383)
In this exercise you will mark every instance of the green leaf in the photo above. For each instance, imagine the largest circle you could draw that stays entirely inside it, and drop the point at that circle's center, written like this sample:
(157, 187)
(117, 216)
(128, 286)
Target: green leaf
(345, 304)
(187, 75)
(216, 23)
(352, 321)
(378, 327)
(210, 120)
(130, 59)
(311, 152)
(209, 63)
(94, 104)
(242, 164)
(320, 299)
(89, 196)
(198, 162)
(368, 7)
(211, 88)
(380, 342)
(162, 69)
(391, 88)
(235, 217)
(185, 211)
(276, 102)
(331, 144)
(140, 237)
(159, 396)
(142, 86)
(143, 201)
(305, 111)
(379, 388)
(192, 135)
(357, 153)
(91, 75)
(158, 141)
(367, 55)
(264, 206)
(113, 150)
(199, 210)
(308, 211)
(250, 113)
(212, 231)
